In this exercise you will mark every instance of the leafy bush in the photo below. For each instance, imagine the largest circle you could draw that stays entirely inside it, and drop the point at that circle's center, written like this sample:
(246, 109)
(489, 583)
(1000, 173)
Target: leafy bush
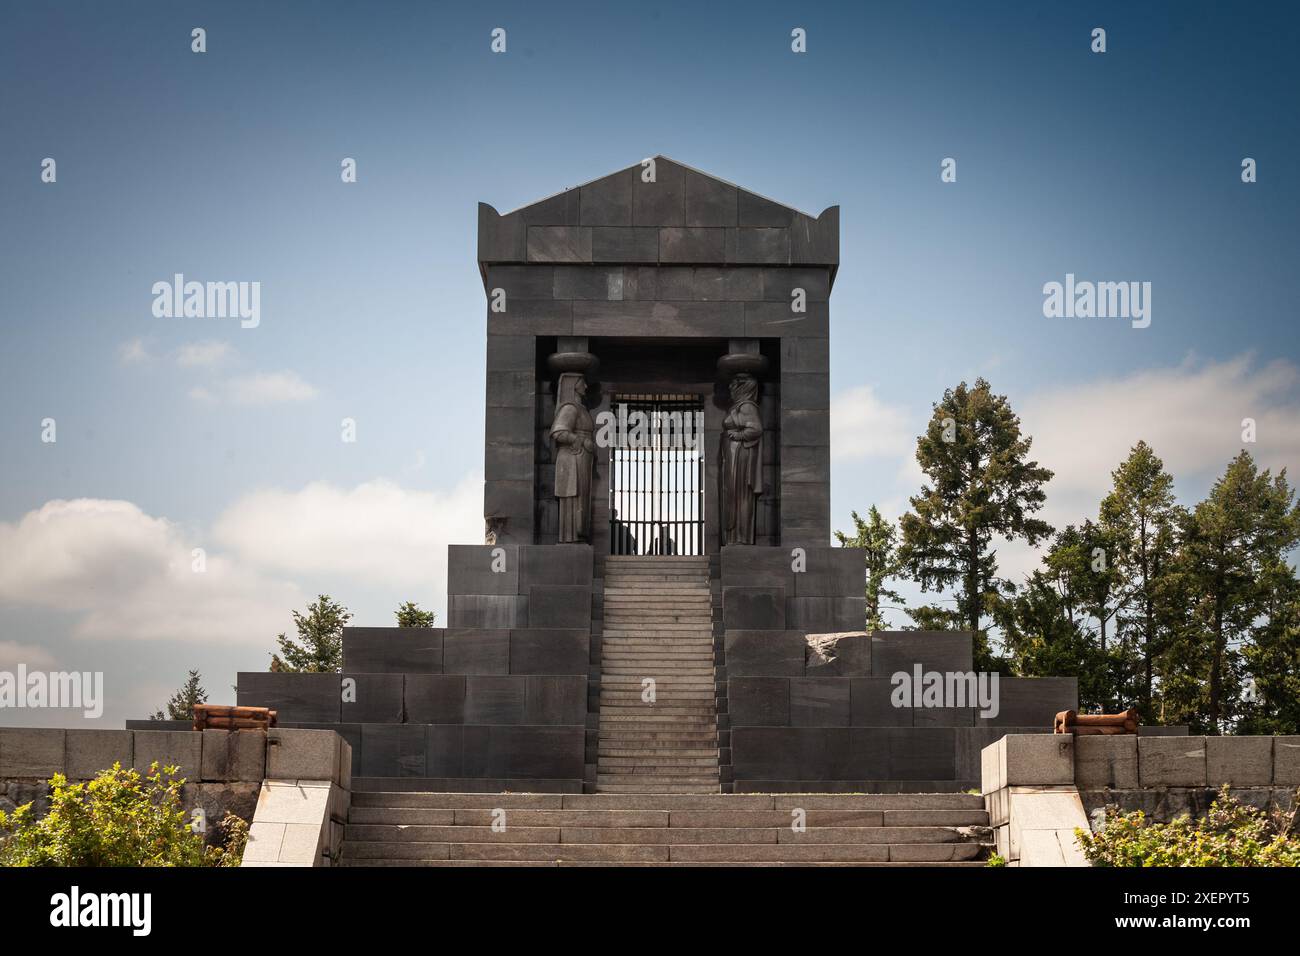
(1231, 834)
(996, 859)
(120, 818)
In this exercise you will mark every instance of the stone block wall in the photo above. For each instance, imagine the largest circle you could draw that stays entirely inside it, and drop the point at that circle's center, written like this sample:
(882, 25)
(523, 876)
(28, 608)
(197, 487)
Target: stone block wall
(1039, 788)
(1169, 776)
(808, 693)
(498, 700)
(224, 771)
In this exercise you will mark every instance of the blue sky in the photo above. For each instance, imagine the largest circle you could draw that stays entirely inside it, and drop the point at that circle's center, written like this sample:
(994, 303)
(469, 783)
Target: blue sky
(183, 433)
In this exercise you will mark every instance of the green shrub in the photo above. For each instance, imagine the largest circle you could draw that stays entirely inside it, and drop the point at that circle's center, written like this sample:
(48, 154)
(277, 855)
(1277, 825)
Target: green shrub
(1231, 834)
(996, 859)
(120, 818)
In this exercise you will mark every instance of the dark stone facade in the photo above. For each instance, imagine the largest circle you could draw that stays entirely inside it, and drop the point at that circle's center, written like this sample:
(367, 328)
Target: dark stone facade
(656, 279)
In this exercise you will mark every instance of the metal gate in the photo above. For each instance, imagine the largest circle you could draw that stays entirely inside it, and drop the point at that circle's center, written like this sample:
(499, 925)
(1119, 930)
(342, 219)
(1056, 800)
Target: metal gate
(656, 475)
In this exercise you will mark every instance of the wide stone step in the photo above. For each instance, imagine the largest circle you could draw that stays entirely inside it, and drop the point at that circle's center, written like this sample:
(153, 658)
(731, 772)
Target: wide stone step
(618, 746)
(667, 686)
(669, 648)
(608, 763)
(631, 711)
(718, 801)
(700, 698)
(647, 606)
(727, 819)
(647, 665)
(826, 852)
(706, 781)
(644, 606)
(681, 676)
(657, 619)
(420, 816)
(662, 698)
(694, 602)
(616, 751)
(684, 580)
(696, 650)
(674, 629)
(707, 740)
(628, 705)
(683, 712)
(697, 666)
(658, 586)
(664, 789)
(638, 567)
(661, 626)
(693, 644)
(686, 722)
(649, 638)
(576, 864)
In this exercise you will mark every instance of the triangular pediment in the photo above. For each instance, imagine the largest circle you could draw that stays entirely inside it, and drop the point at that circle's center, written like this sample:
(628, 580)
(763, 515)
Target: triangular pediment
(680, 216)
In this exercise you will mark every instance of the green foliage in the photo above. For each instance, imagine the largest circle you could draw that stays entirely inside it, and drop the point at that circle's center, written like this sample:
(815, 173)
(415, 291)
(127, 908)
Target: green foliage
(979, 485)
(410, 615)
(1232, 834)
(1046, 636)
(996, 859)
(875, 537)
(120, 818)
(233, 839)
(181, 705)
(319, 648)
(1141, 521)
(1271, 700)
(1230, 574)
(1190, 615)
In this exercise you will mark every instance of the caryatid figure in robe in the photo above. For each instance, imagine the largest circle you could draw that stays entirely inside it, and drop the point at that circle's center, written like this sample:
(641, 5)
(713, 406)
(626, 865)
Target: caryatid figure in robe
(575, 451)
(740, 471)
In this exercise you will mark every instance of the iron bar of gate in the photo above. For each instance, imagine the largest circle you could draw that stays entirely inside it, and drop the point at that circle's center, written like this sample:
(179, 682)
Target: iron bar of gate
(656, 486)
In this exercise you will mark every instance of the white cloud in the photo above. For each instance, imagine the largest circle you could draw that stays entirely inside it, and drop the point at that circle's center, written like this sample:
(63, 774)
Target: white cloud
(863, 426)
(377, 533)
(133, 352)
(262, 388)
(1190, 414)
(36, 658)
(266, 388)
(205, 353)
(128, 575)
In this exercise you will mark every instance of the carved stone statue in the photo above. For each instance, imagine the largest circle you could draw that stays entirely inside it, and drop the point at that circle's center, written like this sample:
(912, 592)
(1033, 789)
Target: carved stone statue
(575, 452)
(740, 471)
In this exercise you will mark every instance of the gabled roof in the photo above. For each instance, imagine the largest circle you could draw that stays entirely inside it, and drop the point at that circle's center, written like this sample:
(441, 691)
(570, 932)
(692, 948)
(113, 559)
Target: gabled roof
(682, 216)
(659, 158)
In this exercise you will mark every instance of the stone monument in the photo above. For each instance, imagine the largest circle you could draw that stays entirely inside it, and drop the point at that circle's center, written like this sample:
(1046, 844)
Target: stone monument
(618, 313)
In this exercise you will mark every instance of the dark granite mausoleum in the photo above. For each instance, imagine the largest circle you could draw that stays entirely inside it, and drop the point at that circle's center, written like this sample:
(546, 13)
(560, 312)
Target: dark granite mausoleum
(661, 290)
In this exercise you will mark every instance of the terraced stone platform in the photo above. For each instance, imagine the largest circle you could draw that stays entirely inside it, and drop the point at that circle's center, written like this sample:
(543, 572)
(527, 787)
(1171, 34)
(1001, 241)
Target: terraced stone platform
(657, 829)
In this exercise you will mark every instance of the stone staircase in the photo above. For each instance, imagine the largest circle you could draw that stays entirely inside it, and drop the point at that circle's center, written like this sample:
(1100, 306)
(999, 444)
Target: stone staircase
(657, 625)
(456, 829)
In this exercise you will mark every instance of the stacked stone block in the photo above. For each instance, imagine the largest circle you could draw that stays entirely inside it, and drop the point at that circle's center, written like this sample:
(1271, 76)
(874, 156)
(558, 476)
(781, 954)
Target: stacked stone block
(498, 700)
(816, 711)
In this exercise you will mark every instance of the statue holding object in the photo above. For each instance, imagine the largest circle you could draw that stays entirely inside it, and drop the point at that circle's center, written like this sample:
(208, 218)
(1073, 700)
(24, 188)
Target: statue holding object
(573, 432)
(740, 471)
